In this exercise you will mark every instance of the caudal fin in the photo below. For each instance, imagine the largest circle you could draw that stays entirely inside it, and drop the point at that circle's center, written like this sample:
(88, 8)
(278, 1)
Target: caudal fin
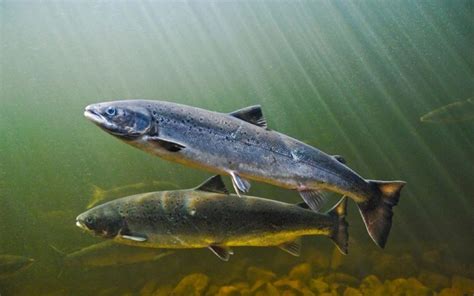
(339, 234)
(377, 212)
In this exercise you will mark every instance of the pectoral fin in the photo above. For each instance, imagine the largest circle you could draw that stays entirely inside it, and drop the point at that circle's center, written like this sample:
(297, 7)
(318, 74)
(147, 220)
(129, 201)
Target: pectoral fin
(222, 252)
(169, 145)
(314, 198)
(252, 114)
(292, 247)
(134, 238)
(240, 184)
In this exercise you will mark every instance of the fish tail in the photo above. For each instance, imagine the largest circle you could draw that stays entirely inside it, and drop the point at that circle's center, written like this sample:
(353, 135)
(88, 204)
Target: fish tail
(340, 235)
(98, 194)
(377, 211)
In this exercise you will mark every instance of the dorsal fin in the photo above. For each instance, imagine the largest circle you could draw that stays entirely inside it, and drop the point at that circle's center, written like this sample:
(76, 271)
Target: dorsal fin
(303, 205)
(251, 114)
(340, 159)
(213, 184)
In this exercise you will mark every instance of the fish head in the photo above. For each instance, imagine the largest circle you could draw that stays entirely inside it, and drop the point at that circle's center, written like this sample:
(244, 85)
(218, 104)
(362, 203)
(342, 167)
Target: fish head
(127, 120)
(103, 221)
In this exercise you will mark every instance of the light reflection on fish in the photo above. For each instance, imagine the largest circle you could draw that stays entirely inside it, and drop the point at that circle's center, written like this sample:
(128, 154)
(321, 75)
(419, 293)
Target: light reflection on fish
(209, 217)
(100, 195)
(451, 113)
(240, 145)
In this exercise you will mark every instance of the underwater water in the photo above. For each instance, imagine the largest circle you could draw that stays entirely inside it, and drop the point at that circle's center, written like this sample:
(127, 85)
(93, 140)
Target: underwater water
(349, 77)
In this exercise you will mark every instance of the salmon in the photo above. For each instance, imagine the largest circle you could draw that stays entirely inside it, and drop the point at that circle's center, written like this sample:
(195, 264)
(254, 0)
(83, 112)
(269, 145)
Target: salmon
(240, 144)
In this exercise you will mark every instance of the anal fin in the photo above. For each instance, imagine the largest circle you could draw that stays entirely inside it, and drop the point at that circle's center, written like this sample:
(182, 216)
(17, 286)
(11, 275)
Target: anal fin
(314, 198)
(222, 252)
(292, 247)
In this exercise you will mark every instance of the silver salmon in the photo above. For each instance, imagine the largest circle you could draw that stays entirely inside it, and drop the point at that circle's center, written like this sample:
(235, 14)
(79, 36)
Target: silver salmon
(240, 144)
(209, 217)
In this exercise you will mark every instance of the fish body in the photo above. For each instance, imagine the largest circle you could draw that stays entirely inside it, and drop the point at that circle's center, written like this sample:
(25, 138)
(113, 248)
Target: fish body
(11, 265)
(202, 218)
(451, 113)
(108, 253)
(240, 145)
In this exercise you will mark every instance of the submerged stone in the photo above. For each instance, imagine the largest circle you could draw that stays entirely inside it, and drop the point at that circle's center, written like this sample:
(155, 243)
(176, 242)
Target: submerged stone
(434, 281)
(163, 291)
(371, 285)
(192, 285)
(268, 290)
(301, 272)
(409, 286)
(148, 288)
(463, 284)
(352, 292)
(254, 274)
(288, 283)
(258, 284)
(307, 292)
(228, 291)
(318, 285)
(450, 292)
(212, 290)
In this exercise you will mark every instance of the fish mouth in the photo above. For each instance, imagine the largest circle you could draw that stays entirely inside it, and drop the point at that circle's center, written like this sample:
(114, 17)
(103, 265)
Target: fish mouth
(98, 119)
(91, 114)
(81, 225)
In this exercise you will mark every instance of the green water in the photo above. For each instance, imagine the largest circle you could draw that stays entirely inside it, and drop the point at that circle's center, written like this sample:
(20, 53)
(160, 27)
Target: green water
(349, 77)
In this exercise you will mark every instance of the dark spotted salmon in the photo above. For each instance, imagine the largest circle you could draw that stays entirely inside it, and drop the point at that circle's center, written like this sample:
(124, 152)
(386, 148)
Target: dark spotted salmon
(209, 217)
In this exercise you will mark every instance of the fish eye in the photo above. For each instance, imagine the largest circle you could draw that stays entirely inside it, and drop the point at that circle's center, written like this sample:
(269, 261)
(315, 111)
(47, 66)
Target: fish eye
(89, 220)
(111, 111)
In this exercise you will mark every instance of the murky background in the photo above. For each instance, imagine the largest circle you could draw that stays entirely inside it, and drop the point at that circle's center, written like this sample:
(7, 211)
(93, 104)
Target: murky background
(349, 77)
